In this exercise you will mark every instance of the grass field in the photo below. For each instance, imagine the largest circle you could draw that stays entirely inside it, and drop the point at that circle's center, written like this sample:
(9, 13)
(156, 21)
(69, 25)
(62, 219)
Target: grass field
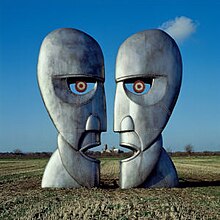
(198, 196)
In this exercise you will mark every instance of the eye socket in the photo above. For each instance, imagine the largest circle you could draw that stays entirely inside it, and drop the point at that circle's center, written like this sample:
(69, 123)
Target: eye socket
(81, 87)
(138, 87)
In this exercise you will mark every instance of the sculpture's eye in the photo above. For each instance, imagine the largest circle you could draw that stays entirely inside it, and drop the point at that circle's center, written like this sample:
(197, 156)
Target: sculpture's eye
(138, 86)
(81, 87)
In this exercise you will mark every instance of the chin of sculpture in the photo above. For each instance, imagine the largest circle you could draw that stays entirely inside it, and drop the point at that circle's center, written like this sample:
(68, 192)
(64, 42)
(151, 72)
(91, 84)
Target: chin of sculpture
(149, 58)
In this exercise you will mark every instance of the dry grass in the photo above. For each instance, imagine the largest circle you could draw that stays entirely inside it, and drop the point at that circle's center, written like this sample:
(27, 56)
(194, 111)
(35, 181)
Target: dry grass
(205, 168)
(22, 198)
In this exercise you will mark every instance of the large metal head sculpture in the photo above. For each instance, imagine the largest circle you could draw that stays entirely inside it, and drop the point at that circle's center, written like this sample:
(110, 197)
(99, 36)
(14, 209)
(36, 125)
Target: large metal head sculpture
(146, 58)
(69, 61)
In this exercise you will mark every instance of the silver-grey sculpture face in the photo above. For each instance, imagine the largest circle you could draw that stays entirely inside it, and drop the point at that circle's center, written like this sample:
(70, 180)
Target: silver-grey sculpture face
(70, 57)
(148, 57)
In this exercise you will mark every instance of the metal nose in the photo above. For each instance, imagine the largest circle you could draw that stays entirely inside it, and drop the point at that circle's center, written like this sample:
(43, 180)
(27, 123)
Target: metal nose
(93, 123)
(127, 124)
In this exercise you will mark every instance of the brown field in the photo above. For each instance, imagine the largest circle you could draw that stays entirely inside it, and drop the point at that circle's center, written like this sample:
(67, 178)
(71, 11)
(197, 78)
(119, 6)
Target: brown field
(198, 196)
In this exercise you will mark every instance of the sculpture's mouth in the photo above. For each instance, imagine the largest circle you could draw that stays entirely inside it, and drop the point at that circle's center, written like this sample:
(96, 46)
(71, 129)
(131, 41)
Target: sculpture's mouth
(89, 140)
(131, 141)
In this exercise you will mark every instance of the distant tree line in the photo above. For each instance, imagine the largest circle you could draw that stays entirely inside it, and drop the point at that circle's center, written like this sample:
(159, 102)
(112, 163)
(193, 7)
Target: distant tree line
(19, 154)
(189, 151)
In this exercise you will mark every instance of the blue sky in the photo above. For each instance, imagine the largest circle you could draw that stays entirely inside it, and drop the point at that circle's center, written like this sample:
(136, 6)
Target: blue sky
(24, 122)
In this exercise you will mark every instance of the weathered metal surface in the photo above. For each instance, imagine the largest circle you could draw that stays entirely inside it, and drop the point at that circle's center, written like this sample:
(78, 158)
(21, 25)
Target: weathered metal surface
(70, 56)
(152, 57)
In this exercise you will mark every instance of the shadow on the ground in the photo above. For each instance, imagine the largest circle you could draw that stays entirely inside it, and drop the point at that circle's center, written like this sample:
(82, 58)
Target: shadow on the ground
(113, 184)
(109, 184)
(185, 183)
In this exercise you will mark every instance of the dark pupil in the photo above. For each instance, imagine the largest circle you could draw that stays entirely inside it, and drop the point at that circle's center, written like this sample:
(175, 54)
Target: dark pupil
(139, 86)
(81, 85)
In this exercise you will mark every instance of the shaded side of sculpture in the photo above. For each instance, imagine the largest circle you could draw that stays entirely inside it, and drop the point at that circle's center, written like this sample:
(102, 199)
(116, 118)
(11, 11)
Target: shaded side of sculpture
(148, 59)
(69, 61)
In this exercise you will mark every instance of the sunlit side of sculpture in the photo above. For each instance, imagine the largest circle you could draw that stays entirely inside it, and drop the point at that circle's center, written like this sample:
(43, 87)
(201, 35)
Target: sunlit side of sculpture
(147, 58)
(69, 57)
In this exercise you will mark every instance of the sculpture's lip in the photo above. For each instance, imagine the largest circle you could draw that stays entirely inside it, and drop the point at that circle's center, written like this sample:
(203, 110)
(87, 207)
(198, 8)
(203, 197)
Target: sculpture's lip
(130, 146)
(88, 140)
(87, 147)
(136, 151)
(130, 140)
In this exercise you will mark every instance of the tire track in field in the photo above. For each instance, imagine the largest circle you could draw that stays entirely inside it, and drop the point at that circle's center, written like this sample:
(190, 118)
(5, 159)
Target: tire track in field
(22, 172)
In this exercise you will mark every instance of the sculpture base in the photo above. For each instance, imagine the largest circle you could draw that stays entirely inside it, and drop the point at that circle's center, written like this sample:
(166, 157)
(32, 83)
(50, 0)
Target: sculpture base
(55, 175)
(164, 174)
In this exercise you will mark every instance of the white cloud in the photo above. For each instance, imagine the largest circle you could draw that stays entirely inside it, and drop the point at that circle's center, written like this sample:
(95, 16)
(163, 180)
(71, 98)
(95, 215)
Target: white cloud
(180, 28)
